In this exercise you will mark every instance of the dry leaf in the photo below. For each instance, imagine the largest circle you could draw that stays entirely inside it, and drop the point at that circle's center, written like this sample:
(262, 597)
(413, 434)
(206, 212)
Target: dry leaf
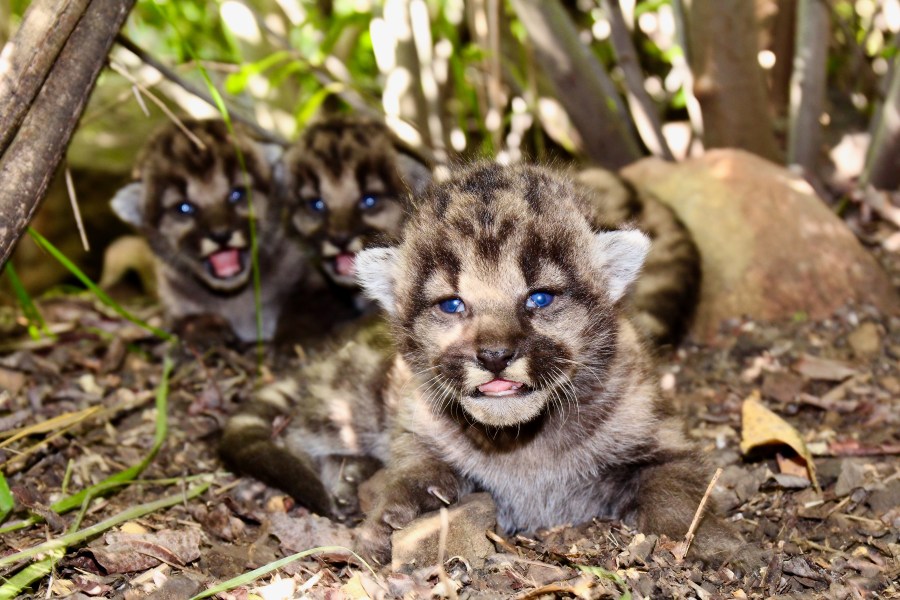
(762, 427)
(354, 589)
(813, 367)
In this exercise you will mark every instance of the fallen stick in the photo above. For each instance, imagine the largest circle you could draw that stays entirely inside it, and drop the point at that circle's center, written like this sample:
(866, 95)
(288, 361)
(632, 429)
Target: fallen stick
(682, 547)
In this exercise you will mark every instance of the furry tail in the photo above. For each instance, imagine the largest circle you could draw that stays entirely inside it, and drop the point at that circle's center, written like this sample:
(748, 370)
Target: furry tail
(247, 447)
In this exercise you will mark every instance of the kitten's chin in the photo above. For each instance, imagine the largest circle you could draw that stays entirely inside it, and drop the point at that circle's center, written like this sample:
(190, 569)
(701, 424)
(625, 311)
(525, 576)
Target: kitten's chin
(506, 411)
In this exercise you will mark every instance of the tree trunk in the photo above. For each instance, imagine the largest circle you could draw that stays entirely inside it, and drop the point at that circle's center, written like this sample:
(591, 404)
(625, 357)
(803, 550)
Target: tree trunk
(808, 84)
(883, 160)
(403, 98)
(729, 82)
(35, 152)
(642, 107)
(29, 57)
(782, 45)
(581, 84)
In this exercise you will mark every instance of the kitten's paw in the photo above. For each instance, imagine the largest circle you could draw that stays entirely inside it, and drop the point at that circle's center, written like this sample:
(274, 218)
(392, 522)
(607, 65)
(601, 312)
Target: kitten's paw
(373, 542)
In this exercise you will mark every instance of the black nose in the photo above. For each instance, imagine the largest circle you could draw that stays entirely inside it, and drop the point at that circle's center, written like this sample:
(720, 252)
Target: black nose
(340, 239)
(220, 237)
(495, 359)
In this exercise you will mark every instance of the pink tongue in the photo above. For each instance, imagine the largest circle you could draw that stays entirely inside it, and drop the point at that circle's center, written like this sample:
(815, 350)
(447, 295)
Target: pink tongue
(498, 385)
(226, 263)
(345, 264)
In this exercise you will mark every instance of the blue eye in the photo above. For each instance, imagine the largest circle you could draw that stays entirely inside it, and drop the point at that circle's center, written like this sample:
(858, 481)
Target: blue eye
(317, 205)
(368, 202)
(539, 300)
(237, 195)
(185, 208)
(452, 305)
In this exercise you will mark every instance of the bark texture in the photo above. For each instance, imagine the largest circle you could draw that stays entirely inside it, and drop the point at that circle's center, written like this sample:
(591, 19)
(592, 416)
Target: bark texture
(580, 82)
(33, 155)
(807, 97)
(646, 119)
(883, 161)
(728, 81)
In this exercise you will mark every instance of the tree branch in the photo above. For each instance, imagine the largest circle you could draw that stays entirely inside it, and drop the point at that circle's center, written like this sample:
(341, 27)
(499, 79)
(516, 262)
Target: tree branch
(28, 58)
(646, 118)
(883, 160)
(807, 95)
(582, 85)
(35, 152)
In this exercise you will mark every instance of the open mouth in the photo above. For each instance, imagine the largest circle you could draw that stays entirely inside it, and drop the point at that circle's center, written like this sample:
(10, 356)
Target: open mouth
(344, 264)
(227, 263)
(497, 388)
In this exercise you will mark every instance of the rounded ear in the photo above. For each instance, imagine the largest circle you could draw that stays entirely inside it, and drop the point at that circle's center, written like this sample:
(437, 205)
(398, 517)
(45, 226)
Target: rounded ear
(128, 204)
(414, 172)
(376, 274)
(620, 255)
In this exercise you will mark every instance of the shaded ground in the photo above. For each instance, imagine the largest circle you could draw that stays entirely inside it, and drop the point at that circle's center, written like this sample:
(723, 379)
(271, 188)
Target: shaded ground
(842, 543)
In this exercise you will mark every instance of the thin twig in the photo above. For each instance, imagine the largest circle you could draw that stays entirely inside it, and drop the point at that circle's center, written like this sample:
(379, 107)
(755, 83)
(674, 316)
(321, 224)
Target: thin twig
(449, 590)
(139, 88)
(502, 542)
(682, 547)
(70, 186)
(196, 91)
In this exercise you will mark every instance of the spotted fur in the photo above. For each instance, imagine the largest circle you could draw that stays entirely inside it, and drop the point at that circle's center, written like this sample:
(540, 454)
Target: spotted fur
(203, 258)
(349, 180)
(665, 295)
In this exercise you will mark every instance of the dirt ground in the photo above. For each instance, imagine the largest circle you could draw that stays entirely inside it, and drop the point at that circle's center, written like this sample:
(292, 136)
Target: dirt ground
(836, 381)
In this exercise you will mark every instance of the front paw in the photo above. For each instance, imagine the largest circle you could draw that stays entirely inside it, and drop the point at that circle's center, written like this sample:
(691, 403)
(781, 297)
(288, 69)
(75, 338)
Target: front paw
(373, 541)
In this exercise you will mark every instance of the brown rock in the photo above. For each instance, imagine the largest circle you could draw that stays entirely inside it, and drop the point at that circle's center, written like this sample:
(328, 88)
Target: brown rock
(865, 341)
(770, 247)
(417, 543)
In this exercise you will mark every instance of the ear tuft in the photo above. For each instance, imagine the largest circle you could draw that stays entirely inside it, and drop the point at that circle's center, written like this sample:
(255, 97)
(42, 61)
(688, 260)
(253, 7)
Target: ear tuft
(128, 204)
(620, 254)
(375, 273)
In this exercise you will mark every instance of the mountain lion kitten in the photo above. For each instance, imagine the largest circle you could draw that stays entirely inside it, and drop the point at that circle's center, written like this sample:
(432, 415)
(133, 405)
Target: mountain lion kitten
(510, 368)
(191, 201)
(349, 179)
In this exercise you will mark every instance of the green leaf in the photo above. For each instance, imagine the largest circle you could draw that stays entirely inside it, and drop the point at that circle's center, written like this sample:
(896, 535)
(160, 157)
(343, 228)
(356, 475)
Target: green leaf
(33, 572)
(6, 499)
(36, 324)
(602, 573)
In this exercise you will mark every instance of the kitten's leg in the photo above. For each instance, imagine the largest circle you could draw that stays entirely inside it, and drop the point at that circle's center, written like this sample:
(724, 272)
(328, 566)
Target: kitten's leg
(341, 476)
(417, 482)
(247, 447)
(667, 499)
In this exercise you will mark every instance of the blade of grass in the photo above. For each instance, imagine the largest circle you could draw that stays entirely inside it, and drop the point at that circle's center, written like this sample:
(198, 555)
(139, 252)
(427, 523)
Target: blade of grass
(70, 539)
(60, 421)
(272, 566)
(6, 499)
(94, 288)
(36, 324)
(122, 477)
(33, 572)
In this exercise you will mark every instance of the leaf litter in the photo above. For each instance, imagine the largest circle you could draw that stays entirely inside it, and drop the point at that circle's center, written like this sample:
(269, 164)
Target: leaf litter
(842, 405)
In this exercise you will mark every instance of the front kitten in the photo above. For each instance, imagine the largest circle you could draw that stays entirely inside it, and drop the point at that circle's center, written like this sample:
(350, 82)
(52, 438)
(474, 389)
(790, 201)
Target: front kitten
(348, 181)
(191, 201)
(506, 303)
